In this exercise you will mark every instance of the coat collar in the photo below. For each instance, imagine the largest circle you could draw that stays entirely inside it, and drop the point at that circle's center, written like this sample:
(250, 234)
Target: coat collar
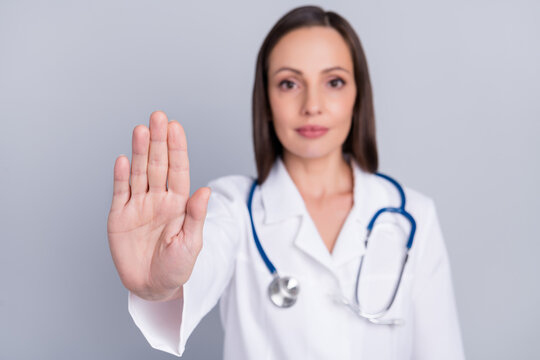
(282, 200)
(280, 195)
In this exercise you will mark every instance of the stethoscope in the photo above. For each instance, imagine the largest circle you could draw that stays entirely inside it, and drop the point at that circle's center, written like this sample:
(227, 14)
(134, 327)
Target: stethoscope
(283, 290)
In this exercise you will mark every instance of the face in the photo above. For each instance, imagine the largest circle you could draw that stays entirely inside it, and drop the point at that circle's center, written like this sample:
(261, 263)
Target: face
(311, 89)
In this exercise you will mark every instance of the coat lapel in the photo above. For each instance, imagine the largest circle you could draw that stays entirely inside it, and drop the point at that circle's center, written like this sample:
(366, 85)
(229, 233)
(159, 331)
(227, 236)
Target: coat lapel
(280, 196)
(282, 200)
(369, 196)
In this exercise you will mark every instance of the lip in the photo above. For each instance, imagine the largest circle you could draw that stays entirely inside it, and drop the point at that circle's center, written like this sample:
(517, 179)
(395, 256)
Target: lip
(311, 131)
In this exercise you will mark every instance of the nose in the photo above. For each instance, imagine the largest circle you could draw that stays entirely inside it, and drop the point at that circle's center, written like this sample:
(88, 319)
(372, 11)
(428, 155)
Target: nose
(312, 102)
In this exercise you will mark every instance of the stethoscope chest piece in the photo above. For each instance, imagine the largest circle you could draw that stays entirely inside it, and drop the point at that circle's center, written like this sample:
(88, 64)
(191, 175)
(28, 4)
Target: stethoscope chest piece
(283, 291)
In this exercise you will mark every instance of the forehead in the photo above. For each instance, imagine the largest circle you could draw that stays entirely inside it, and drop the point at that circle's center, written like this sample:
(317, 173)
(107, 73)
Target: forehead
(311, 48)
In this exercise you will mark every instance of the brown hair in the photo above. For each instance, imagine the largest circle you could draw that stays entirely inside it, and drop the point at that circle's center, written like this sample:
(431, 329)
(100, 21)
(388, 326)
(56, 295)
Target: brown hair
(361, 142)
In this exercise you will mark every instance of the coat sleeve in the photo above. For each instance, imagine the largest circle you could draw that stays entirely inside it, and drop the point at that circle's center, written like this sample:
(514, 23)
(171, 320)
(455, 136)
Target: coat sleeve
(436, 326)
(168, 325)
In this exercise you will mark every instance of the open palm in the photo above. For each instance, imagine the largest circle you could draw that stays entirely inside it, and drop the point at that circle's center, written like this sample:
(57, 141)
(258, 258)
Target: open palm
(154, 226)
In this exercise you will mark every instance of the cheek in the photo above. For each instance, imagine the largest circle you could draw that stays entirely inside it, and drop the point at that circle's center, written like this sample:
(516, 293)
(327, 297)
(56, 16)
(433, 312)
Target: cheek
(282, 106)
(283, 131)
(341, 104)
(284, 112)
(342, 112)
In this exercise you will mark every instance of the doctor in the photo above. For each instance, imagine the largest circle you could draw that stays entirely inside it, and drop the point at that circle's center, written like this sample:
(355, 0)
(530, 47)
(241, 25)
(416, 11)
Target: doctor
(316, 192)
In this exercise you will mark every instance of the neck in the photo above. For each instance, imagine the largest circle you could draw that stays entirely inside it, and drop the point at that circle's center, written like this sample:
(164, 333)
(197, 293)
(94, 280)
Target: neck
(320, 177)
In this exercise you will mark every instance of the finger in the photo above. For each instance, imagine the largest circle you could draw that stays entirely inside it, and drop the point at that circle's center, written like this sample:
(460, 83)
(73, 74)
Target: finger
(195, 216)
(121, 183)
(139, 160)
(178, 178)
(157, 158)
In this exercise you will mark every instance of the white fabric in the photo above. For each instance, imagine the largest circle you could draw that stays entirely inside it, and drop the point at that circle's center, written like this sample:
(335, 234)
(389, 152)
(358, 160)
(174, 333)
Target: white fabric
(230, 269)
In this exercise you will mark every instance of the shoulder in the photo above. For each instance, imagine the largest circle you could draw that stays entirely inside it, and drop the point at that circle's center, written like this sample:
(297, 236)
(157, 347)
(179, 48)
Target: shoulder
(417, 203)
(229, 193)
(423, 210)
(231, 186)
(429, 239)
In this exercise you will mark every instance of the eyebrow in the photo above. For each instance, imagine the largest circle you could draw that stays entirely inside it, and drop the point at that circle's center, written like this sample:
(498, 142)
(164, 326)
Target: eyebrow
(300, 73)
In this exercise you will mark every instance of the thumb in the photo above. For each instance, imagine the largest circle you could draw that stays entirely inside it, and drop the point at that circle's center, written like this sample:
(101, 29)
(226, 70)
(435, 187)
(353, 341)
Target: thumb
(195, 215)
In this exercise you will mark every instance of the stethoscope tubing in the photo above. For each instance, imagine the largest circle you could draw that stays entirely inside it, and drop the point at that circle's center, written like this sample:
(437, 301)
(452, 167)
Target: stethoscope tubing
(399, 210)
(373, 317)
(265, 258)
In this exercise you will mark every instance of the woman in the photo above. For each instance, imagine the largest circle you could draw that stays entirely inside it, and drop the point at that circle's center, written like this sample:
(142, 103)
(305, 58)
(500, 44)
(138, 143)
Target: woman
(314, 138)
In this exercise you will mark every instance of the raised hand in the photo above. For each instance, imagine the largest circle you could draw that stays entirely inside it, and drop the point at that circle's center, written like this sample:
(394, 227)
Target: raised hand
(154, 227)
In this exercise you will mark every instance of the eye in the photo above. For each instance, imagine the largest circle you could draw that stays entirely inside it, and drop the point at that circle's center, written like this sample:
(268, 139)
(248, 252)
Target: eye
(287, 84)
(337, 83)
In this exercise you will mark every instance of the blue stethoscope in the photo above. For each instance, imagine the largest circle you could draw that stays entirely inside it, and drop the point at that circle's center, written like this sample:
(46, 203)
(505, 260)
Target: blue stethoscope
(283, 291)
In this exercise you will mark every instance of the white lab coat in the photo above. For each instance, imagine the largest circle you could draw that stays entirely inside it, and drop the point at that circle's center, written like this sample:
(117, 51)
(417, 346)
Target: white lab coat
(230, 269)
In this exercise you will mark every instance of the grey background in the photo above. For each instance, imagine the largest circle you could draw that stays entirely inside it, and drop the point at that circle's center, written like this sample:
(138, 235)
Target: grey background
(456, 87)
